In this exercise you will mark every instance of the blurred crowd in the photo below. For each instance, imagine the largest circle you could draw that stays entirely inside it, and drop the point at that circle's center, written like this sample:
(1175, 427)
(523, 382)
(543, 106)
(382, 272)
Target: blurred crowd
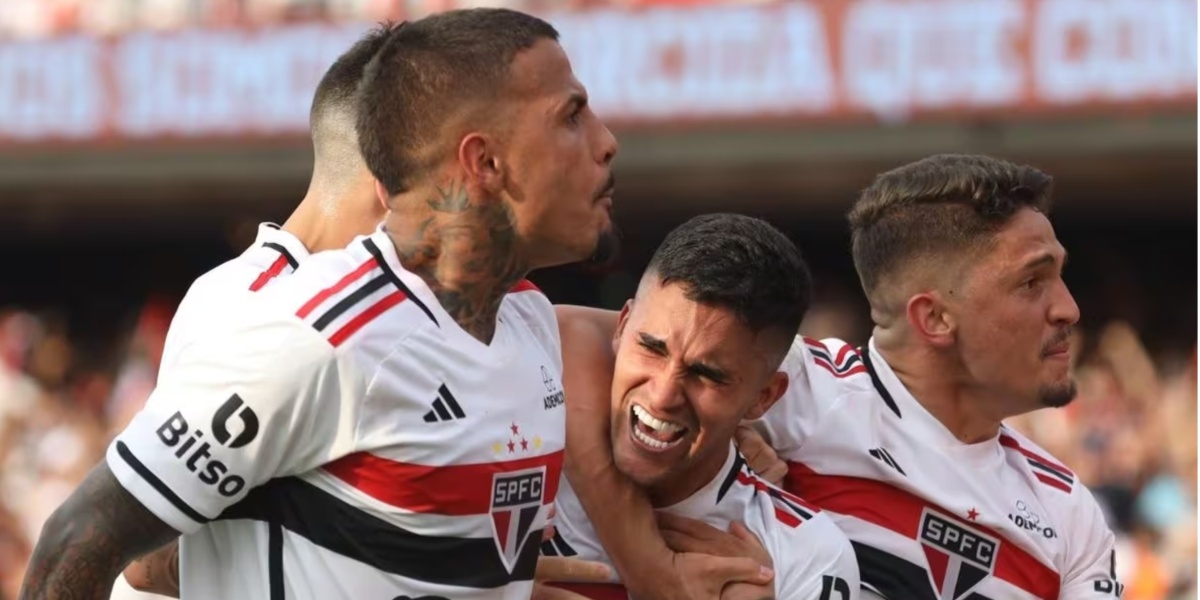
(23, 19)
(1130, 435)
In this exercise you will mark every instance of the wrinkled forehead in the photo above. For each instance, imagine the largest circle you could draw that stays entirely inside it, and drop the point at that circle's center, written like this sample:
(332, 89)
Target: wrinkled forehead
(690, 329)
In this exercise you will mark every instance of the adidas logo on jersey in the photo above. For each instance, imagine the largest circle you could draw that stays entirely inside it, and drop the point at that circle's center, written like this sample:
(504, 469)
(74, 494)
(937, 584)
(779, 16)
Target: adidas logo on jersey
(885, 457)
(445, 407)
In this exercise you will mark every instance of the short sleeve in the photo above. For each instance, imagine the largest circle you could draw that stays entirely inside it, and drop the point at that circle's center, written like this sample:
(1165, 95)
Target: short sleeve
(257, 401)
(1091, 569)
(814, 561)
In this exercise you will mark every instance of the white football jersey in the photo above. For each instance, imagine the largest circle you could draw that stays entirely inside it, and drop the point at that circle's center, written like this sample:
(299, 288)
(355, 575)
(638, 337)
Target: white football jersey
(345, 438)
(215, 294)
(931, 517)
(812, 557)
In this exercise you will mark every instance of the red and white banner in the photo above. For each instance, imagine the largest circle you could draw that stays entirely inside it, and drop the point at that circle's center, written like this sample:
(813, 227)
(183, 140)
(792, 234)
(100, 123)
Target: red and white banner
(817, 60)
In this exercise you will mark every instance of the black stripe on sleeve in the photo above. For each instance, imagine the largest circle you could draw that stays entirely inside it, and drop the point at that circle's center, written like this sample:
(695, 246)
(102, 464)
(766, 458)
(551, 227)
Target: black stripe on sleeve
(284, 251)
(158, 484)
(1052, 471)
(344, 304)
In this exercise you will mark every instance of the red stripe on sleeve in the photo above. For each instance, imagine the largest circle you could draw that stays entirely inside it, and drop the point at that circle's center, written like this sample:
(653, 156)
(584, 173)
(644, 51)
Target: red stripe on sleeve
(454, 490)
(324, 295)
(1052, 482)
(365, 317)
(270, 273)
(524, 285)
(1010, 442)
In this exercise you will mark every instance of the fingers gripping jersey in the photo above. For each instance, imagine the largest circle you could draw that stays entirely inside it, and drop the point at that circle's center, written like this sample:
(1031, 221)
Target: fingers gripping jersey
(929, 516)
(813, 559)
(343, 438)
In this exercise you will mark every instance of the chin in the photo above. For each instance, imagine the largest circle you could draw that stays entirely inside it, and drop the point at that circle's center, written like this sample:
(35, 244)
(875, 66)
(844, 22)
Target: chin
(1058, 395)
(642, 474)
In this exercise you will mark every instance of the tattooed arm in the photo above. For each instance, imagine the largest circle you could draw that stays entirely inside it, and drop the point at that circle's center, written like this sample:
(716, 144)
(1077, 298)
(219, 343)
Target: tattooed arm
(157, 572)
(89, 539)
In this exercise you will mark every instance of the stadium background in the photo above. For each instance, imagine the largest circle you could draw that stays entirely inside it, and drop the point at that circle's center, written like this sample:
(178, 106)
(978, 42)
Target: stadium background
(142, 140)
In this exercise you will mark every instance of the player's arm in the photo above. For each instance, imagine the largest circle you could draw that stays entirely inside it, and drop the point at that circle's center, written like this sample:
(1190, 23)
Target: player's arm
(157, 572)
(86, 542)
(620, 512)
(1091, 570)
(257, 402)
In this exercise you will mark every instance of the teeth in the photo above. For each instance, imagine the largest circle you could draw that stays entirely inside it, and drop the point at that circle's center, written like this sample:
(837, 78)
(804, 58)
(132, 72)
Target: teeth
(649, 441)
(655, 424)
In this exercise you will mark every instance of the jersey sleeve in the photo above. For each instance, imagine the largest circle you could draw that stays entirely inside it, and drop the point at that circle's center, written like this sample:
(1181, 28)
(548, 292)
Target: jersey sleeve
(257, 401)
(1091, 568)
(814, 561)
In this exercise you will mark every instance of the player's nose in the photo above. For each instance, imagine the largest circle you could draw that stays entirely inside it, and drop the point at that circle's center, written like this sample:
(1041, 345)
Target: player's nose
(664, 392)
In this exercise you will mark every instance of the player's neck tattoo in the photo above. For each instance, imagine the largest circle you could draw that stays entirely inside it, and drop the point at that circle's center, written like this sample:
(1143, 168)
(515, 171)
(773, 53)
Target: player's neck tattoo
(466, 251)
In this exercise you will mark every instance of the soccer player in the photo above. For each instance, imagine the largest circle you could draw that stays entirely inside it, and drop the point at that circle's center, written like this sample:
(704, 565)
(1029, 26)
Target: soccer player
(902, 442)
(373, 426)
(340, 204)
(695, 352)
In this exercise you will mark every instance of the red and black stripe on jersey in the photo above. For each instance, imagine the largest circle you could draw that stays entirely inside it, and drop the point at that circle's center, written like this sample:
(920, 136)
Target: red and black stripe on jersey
(284, 261)
(846, 363)
(789, 509)
(371, 276)
(901, 512)
(330, 522)
(1047, 471)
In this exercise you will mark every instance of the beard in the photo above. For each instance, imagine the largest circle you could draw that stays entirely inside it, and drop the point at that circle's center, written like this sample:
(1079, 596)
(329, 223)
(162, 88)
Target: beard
(1057, 395)
(608, 246)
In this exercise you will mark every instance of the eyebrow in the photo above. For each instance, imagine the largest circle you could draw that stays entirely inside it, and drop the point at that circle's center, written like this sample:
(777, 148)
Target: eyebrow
(696, 368)
(575, 101)
(1042, 260)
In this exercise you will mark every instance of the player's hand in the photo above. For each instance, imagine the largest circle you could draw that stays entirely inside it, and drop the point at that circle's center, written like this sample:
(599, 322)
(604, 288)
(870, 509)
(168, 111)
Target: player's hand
(712, 564)
(760, 455)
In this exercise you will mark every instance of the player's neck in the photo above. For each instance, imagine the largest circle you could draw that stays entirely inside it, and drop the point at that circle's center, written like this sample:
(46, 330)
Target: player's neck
(681, 486)
(330, 217)
(939, 387)
(464, 246)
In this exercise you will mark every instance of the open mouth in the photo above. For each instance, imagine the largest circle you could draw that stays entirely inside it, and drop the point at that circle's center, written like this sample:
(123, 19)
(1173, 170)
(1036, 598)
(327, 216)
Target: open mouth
(653, 433)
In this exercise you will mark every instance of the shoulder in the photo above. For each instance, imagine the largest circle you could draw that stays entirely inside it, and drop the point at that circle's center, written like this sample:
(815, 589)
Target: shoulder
(348, 298)
(530, 304)
(1048, 471)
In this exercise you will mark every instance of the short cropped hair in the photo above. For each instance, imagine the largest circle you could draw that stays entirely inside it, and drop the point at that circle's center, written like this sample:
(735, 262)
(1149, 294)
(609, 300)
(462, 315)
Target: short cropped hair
(337, 89)
(741, 264)
(943, 206)
(428, 70)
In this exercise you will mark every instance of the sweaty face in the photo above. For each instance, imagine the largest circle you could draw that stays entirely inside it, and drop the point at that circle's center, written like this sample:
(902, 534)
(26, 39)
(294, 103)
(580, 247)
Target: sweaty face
(685, 376)
(559, 156)
(1016, 316)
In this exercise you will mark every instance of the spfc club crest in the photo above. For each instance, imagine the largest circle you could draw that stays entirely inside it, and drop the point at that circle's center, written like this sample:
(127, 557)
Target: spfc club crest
(959, 557)
(516, 500)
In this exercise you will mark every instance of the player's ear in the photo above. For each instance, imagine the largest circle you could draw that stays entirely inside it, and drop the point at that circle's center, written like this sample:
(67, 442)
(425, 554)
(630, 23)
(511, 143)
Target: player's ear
(768, 396)
(382, 194)
(929, 318)
(478, 158)
(621, 319)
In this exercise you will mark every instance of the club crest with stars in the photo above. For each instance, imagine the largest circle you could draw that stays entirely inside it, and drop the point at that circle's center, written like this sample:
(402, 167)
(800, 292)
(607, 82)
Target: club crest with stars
(516, 498)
